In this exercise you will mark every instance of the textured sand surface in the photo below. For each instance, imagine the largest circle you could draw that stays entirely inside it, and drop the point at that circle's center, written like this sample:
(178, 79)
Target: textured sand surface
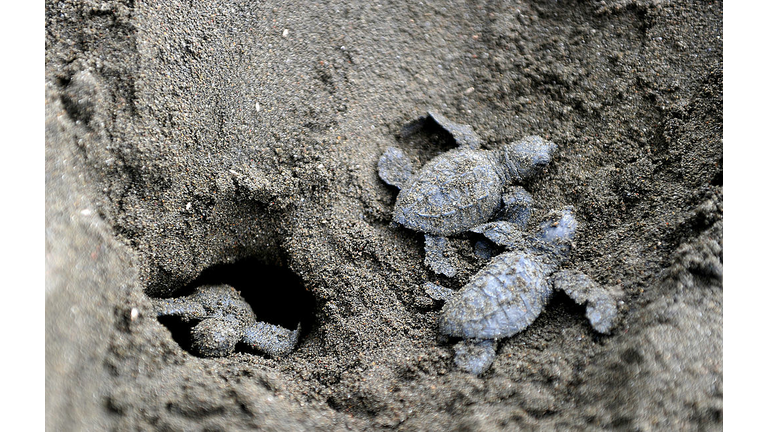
(237, 142)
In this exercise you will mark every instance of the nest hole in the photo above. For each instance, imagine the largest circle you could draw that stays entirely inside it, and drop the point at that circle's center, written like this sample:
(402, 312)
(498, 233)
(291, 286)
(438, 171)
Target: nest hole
(424, 138)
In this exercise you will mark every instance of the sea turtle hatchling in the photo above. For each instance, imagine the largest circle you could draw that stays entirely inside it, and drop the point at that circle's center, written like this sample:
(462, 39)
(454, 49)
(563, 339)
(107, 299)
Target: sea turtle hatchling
(509, 293)
(225, 319)
(463, 188)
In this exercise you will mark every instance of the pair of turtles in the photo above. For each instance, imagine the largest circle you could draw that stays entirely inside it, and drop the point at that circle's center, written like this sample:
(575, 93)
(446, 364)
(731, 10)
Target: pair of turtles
(468, 189)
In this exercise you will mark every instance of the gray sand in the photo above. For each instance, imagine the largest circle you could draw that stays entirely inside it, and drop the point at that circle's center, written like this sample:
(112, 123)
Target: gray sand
(183, 136)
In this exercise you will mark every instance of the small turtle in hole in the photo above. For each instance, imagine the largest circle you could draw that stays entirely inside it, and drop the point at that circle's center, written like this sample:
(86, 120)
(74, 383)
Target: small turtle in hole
(462, 188)
(510, 292)
(225, 319)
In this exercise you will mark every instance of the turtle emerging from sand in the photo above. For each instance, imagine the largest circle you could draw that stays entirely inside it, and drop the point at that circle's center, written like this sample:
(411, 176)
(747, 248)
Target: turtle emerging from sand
(510, 292)
(463, 189)
(224, 319)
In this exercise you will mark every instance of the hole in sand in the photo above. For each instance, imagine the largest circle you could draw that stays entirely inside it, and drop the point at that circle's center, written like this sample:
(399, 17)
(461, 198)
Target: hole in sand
(275, 293)
(424, 138)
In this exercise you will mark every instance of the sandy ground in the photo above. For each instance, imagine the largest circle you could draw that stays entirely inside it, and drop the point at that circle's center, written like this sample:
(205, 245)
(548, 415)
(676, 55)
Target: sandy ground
(237, 142)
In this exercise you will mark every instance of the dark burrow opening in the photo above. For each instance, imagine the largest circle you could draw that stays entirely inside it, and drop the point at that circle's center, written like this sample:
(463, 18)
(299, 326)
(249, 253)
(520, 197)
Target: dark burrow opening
(426, 135)
(276, 295)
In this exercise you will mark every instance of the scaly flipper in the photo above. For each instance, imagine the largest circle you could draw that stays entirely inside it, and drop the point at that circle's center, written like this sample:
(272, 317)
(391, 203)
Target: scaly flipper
(474, 357)
(518, 204)
(395, 168)
(436, 255)
(270, 339)
(602, 304)
(437, 292)
(503, 233)
(181, 307)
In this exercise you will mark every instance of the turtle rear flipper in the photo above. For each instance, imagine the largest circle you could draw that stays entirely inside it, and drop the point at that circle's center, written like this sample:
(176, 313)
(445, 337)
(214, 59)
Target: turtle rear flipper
(475, 357)
(437, 292)
(436, 255)
(395, 168)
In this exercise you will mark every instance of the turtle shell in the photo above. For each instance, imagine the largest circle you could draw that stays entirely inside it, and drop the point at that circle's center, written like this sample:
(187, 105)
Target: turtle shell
(451, 193)
(502, 299)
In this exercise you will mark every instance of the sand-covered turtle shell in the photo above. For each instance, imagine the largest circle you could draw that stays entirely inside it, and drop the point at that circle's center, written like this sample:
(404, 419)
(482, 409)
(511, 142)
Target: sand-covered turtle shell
(451, 193)
(505, 297)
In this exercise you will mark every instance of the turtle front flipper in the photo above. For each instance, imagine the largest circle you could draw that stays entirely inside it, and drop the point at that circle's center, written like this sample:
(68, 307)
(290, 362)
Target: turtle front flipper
(602, 304)
(181, 307)
(395, 168)
(436, 255)
(270, 339)
(502, 233)
(463, 134)
(437, 292)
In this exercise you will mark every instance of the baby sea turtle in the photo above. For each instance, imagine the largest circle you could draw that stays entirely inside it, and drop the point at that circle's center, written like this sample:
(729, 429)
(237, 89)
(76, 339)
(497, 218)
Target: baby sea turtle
(224, 320)
(509, 293)
(462, 188)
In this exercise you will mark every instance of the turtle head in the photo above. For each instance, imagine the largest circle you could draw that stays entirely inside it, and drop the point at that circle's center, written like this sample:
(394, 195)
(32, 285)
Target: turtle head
(559, 226)
(528, 156)
(556, 233)
(216, 336)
